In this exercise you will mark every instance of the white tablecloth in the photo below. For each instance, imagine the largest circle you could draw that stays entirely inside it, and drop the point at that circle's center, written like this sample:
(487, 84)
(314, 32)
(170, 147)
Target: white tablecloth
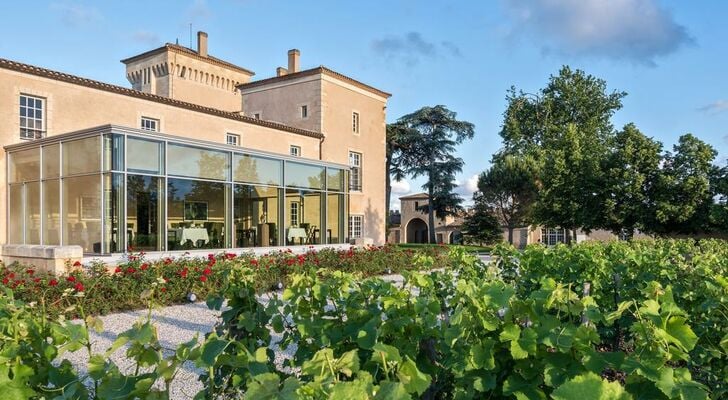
(296, 233)
(193, 234)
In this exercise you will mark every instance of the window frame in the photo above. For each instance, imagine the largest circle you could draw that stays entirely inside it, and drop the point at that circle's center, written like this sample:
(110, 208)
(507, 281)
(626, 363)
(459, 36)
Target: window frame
(303, 111)
(297, 151)
(356, 181)
(355, 122)
(553, 236)
(157, 124)
(354, 226)
(34, 133)
(295, 208)
(233, 135)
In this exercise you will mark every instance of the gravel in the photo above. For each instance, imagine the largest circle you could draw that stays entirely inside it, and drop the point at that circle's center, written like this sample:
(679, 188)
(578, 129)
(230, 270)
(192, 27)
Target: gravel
(175, 325)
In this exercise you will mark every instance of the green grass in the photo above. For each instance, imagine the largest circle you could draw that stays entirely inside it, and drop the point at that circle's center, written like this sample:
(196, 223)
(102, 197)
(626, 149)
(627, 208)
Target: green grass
(467, 247)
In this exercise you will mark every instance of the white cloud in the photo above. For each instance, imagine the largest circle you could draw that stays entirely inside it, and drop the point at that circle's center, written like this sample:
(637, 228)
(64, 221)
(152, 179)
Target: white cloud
(400, 188)
(76, 15)
(146, 37)
(633, 30)
(412, 47)
(715, 107)
(468, 187)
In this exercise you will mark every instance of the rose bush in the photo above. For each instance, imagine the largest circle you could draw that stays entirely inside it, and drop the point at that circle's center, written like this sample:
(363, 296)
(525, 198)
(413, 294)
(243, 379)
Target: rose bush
(113, 289)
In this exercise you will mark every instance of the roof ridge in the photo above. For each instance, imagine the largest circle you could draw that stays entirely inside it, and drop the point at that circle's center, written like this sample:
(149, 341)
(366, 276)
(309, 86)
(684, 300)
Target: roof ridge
(311, 71)
(94, 84)
(188, 51)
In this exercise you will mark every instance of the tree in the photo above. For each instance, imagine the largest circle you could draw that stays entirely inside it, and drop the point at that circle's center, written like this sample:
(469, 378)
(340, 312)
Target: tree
(399, 137)
(630, 171)
(481, 224)
(431, 155)
(719, 212)
(508, 188)
(683, 196)
(566, 128)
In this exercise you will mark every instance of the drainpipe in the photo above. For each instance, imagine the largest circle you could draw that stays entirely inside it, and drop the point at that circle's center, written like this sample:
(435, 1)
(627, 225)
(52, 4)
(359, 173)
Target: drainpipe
(321, 142)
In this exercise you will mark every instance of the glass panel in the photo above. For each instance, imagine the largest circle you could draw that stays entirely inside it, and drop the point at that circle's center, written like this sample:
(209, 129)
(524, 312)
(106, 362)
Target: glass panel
(51, 161)
(25, 165)
(303, 217)
(15, 220)
(197, 163)
(113, 152)
(196, 213)
(335, 179)
(145, 156)
(304, 176)
(114, 198)
(335, 218)
(82, 212)
(32, 213)
(252, 169)
(51, 212)
(144, 212)
(82, 156)
(256, 216)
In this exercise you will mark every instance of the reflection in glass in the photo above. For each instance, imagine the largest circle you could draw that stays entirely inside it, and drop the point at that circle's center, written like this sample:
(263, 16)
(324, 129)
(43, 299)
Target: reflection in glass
(303, 217)
(113, 212)
(32, 213)
(196, 162)
(144, 156)
(304, 176)
(82, 156)
(51, 161)
(82, 212)
(51, 212)
(15, 215)
(335, 218)
(196, 212)
(143, 212)
(335, 179)
(113, 152)
(252, 169)
(256, 216)
(25, 165)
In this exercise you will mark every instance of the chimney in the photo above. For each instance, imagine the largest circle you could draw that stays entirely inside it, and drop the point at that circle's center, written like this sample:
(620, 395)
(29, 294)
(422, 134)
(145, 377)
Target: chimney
(280, 71)
(202, 43)
(293, 60)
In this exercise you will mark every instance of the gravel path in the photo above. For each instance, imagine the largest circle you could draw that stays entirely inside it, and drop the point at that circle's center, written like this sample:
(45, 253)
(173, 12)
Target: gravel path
(175, 325)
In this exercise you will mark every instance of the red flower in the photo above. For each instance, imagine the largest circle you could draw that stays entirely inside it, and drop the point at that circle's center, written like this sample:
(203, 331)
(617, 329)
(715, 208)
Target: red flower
(29, 271)
(183, 273)
(117, 270)
(210, 256)
(71, 278)
(6, 281)
(229, 256)
(144, 267)
(79, 287)
(52, 282)
(207, 271)
(164, 289)
(203, 278)
(11, 275)
(254, 262)
(167, 261)
(130, 270)
(77, 264)
(36, 280)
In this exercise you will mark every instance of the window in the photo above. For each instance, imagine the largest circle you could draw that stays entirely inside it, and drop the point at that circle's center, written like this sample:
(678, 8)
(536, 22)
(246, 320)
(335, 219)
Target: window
(296, 151)
(551, 236)
(256, 115)
(294, 214)
(150, 124)
(32, 120)
(355, 165)
(355, 226)
(417, 205)
(233, 139)
(304, 112)
(355, 122)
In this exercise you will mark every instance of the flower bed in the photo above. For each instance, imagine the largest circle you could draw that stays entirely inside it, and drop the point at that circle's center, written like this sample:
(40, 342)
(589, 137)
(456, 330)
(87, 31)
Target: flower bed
(108, 289)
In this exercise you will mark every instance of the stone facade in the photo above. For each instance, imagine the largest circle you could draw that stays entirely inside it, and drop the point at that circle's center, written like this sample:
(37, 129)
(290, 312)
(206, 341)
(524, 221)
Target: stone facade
(414, 225)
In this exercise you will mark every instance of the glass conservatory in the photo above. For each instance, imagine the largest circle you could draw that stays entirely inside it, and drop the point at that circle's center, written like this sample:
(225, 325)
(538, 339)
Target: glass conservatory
(110, 189)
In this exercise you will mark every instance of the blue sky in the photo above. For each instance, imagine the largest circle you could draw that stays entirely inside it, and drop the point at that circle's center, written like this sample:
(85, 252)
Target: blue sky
(670, 56)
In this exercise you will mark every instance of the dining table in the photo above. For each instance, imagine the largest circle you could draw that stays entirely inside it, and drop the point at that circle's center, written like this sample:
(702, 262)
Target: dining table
(193, 234)
(296, 233)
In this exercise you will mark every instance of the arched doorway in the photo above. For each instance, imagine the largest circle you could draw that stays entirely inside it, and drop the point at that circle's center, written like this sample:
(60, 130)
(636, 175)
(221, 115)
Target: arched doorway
(416, 231)
(456, 237)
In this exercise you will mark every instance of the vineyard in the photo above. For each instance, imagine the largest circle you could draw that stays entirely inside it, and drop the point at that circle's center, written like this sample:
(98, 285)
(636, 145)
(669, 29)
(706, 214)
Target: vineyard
(642, 320)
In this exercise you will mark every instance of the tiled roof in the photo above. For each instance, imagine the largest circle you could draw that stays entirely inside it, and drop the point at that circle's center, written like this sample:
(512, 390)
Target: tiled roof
(314, 71)
(415, 196)
(63, 77)
(189, 52)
